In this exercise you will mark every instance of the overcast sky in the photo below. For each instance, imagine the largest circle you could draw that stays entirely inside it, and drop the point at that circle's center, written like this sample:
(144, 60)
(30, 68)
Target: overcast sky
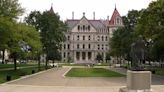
(102, 8)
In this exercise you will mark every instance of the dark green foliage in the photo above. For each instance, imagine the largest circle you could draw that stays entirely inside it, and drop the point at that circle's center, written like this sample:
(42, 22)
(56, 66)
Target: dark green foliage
(99, 57)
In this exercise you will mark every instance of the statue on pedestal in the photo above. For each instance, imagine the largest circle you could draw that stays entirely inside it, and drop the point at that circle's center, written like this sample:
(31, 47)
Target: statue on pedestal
(138, 53)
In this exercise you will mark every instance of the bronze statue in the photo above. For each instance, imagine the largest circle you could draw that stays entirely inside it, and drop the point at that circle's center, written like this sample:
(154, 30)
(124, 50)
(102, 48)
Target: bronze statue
(138, 53)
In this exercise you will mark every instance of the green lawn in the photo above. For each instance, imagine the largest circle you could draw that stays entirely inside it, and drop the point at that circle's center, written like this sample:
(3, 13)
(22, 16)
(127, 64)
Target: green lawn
(3, 66)
(92, 72)
(17, 74)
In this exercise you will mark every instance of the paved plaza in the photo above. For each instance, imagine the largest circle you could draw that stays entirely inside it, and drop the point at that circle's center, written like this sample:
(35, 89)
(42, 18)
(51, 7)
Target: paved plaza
(53, 80)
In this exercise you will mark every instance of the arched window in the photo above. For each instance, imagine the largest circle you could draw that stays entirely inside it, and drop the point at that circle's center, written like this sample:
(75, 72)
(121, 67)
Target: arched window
(89, 27)
(83, 27)
(106, 38)
(98, 38)
(118, 20)
(78, 27)
(83, 37)
(68, 38)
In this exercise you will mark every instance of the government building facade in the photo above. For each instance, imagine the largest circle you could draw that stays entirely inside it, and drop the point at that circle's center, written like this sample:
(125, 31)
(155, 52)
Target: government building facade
(85, 38)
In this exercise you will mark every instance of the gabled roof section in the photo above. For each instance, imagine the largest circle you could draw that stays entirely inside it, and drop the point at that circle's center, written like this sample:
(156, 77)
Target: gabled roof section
(115, 14)
(97, 24)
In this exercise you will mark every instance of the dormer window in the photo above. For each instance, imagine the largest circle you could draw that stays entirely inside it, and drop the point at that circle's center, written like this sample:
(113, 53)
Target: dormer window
(83, 27)
(118, 20)
(89, 27)
(78, 27)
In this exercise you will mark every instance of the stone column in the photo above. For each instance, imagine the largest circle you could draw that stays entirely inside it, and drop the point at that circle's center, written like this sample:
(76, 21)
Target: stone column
(86, 56)
(80, 56)
(75, 60)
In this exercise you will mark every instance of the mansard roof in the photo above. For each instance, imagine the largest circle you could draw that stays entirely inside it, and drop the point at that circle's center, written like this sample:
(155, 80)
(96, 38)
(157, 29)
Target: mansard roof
(115, 14)
(97, 24)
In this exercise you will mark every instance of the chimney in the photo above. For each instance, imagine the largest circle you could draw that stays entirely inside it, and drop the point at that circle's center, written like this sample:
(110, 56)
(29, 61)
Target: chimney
(72, 15)
(83, 14)
(108, 18)
(93, 15)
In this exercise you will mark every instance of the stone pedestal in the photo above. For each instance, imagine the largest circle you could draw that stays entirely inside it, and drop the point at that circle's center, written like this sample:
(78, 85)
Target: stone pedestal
(138, 81)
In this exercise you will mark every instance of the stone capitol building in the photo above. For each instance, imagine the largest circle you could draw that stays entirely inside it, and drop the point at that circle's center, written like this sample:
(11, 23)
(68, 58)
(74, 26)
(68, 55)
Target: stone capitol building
(85, 38)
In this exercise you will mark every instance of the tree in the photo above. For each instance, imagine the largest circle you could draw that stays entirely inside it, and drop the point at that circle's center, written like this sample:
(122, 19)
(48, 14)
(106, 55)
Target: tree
(9, 11)
(5, 33)
(99, 57)
(51, 31)
(108, 57)
(24, 39)
(122, 39)
(151, 26)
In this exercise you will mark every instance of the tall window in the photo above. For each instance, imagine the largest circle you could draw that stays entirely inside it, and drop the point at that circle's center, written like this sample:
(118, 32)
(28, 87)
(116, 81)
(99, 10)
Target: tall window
(78, 46)
(98, 38)
(98, 46)
(83, 55)
(83, 46)
(89, 55)
(78, 37)
(64, 46)
(83, 37)
(118, 21)
(77, 55)
(89, 27)
(102, 46)
(89, 37)
(102, 38)
(106, 38)
(78, 27)
(83, 27)
(64, 55)
(68, 46)
(68, 38)
(89, 46)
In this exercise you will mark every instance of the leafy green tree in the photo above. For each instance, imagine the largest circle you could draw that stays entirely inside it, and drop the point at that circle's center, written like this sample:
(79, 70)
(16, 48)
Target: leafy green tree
(25, 39)
(123, 37)
(99, 57)
(51, 31)
(151, 26)
(108, 57)
(5, 33)
(9, 11)
(10, 8)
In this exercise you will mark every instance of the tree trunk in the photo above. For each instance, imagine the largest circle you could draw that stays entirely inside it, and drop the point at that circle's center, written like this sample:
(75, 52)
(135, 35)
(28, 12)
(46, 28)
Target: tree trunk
(46, 67)
(38, 64)
(3, 56)
(15, 64)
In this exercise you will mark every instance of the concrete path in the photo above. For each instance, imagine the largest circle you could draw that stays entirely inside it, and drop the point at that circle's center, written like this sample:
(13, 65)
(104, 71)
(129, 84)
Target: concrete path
(54, 81)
